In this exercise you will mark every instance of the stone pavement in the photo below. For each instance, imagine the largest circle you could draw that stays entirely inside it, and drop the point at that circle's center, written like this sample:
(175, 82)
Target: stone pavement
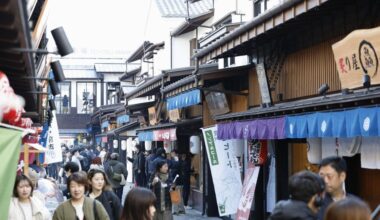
(192, 214)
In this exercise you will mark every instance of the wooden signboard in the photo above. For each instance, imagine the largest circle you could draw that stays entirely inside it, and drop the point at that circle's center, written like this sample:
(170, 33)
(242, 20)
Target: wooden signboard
(174, 115)
(356, 55)
(152, 116)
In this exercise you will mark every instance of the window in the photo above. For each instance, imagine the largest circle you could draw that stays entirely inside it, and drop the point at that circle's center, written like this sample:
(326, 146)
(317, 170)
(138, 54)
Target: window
(260, 6)
(62, 101)
(86, 97)
(113, 93)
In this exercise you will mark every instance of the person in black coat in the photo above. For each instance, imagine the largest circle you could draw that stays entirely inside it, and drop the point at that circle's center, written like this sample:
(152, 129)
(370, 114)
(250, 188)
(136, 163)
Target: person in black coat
(101, 190)
(306, 190)
(138, 162)
(161, 184)
(113, 166)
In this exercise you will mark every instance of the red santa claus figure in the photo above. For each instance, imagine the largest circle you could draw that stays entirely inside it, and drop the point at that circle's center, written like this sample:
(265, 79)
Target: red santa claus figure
(11, 105)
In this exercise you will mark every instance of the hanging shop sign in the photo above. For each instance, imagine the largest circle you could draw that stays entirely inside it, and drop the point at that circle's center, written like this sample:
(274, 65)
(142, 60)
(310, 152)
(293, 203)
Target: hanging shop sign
(183, 100)
(225, 172)
(165, 135)
(53, 152)
(357, 55)
(105, 124)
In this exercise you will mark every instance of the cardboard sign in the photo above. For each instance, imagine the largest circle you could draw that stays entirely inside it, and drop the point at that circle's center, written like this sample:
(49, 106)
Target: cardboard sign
(174, 115)
(356, 55)
(152, 116)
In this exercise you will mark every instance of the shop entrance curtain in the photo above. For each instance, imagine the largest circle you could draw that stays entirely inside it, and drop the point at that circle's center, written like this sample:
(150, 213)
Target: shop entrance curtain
(348, 123)
(10, 143)
(262, 129)
(186, 99)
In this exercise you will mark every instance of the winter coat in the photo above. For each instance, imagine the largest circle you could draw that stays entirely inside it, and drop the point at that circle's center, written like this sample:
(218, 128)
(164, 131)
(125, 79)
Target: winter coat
(39, 211)
(117, 167)
(111, 203)
(66, 210)
(292, 210)
(327, 200)
(156, 188)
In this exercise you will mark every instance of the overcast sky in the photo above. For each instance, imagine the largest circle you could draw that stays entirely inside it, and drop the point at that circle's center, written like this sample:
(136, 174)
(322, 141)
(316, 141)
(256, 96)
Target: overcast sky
(101, 24)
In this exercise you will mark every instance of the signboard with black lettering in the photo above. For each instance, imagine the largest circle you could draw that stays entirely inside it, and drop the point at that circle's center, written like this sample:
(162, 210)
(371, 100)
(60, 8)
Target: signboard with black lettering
(263, 83)
(357, 55)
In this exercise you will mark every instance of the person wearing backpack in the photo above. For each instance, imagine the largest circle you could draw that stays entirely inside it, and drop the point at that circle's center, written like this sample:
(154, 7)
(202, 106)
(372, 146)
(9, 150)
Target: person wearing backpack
(115, 170)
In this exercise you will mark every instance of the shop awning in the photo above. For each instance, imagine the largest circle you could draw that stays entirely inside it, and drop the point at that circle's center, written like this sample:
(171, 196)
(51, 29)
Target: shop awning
(105, 124)
(145, 136)
(185, 99)
(347, 123)
(122, 119)
(262, 129)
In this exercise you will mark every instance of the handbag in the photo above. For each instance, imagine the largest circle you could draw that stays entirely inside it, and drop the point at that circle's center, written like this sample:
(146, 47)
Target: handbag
(175, 196)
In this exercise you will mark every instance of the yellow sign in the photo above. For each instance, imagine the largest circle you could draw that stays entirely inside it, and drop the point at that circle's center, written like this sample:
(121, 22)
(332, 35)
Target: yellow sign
(357, 55)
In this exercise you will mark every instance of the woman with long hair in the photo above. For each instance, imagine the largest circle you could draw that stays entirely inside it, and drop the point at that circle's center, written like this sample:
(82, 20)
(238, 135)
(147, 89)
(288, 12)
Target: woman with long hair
(23, 205)
(101, 190)
(139, 205)
(79, 207)
(348, 209)
(161, 185)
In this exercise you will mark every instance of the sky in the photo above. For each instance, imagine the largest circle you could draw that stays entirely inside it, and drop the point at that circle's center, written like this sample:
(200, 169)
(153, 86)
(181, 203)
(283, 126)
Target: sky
(102, 24)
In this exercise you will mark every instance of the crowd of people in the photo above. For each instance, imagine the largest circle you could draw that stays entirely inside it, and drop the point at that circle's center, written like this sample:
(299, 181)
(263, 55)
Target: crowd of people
(95, 181)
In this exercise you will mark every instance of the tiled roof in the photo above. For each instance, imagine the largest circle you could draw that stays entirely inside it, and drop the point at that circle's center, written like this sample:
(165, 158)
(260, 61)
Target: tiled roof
(178, 8)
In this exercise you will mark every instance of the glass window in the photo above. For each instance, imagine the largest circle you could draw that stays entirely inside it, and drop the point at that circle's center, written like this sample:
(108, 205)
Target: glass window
(113, 89)
(62, 101)
(86, 98)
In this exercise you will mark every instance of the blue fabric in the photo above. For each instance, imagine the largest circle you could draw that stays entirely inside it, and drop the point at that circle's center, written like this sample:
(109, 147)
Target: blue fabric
(312, 125)
(145, 136)
(186, 99)
(105, 124)
(368, 121)
(338, 124)
(352, 123)
(122, 119)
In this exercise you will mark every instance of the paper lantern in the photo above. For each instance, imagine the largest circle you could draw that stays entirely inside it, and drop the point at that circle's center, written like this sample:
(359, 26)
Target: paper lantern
(115, 144)
(195, 145)
(123, 145)
(148, 145)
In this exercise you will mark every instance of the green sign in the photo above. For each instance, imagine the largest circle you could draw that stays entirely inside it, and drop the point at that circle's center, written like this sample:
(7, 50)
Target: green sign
(211, 147)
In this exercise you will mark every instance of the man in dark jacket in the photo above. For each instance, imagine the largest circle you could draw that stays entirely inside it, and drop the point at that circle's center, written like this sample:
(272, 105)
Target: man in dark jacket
(333, 171)
(138, 162)
(116, 167)
(305, 189)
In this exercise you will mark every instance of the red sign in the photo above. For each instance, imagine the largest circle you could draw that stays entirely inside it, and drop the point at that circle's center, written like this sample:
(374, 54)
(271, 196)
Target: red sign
(248, 193)
(165, 135)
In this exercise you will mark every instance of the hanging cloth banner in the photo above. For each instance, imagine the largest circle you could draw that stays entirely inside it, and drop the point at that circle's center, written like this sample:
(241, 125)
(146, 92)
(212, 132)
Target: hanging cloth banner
(165, 135)
(122, 119)
(248, 193)
(10, 143)
(53, 152)
(185, 99)
(225, 172)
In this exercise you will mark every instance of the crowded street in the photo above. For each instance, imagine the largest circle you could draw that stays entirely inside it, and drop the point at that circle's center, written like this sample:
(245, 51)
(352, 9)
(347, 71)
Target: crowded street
(189, 109)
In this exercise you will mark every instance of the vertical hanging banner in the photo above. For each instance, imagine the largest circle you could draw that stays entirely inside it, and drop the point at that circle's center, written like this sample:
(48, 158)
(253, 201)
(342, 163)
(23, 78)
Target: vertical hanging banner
(10, 143)
(247, 193)
(53, 152)
(225, 171)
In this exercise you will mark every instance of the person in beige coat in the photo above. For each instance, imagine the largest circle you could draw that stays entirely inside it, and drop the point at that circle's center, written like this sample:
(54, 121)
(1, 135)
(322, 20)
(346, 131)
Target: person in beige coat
(23, 205)
(79, 207)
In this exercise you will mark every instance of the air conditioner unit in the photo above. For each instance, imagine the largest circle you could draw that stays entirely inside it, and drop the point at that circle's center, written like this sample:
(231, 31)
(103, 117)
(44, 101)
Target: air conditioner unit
(228, 62)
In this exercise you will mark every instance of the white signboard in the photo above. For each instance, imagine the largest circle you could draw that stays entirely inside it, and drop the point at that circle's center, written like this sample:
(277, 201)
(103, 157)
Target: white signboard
(263, 82)
(53, 152)
(225, 171)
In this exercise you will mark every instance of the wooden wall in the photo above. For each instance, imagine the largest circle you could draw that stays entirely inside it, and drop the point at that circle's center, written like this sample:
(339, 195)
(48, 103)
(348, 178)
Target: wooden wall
(302, 74)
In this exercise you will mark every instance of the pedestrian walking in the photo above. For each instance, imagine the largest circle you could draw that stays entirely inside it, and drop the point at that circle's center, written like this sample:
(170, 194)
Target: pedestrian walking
(79, 207)
(139, 205)
(348, 209)
(305, 190)
(69, 168)
(138, 162)
(116, 172)
(101, 190)
(23, 205)
(161, 186)
(333, 170)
